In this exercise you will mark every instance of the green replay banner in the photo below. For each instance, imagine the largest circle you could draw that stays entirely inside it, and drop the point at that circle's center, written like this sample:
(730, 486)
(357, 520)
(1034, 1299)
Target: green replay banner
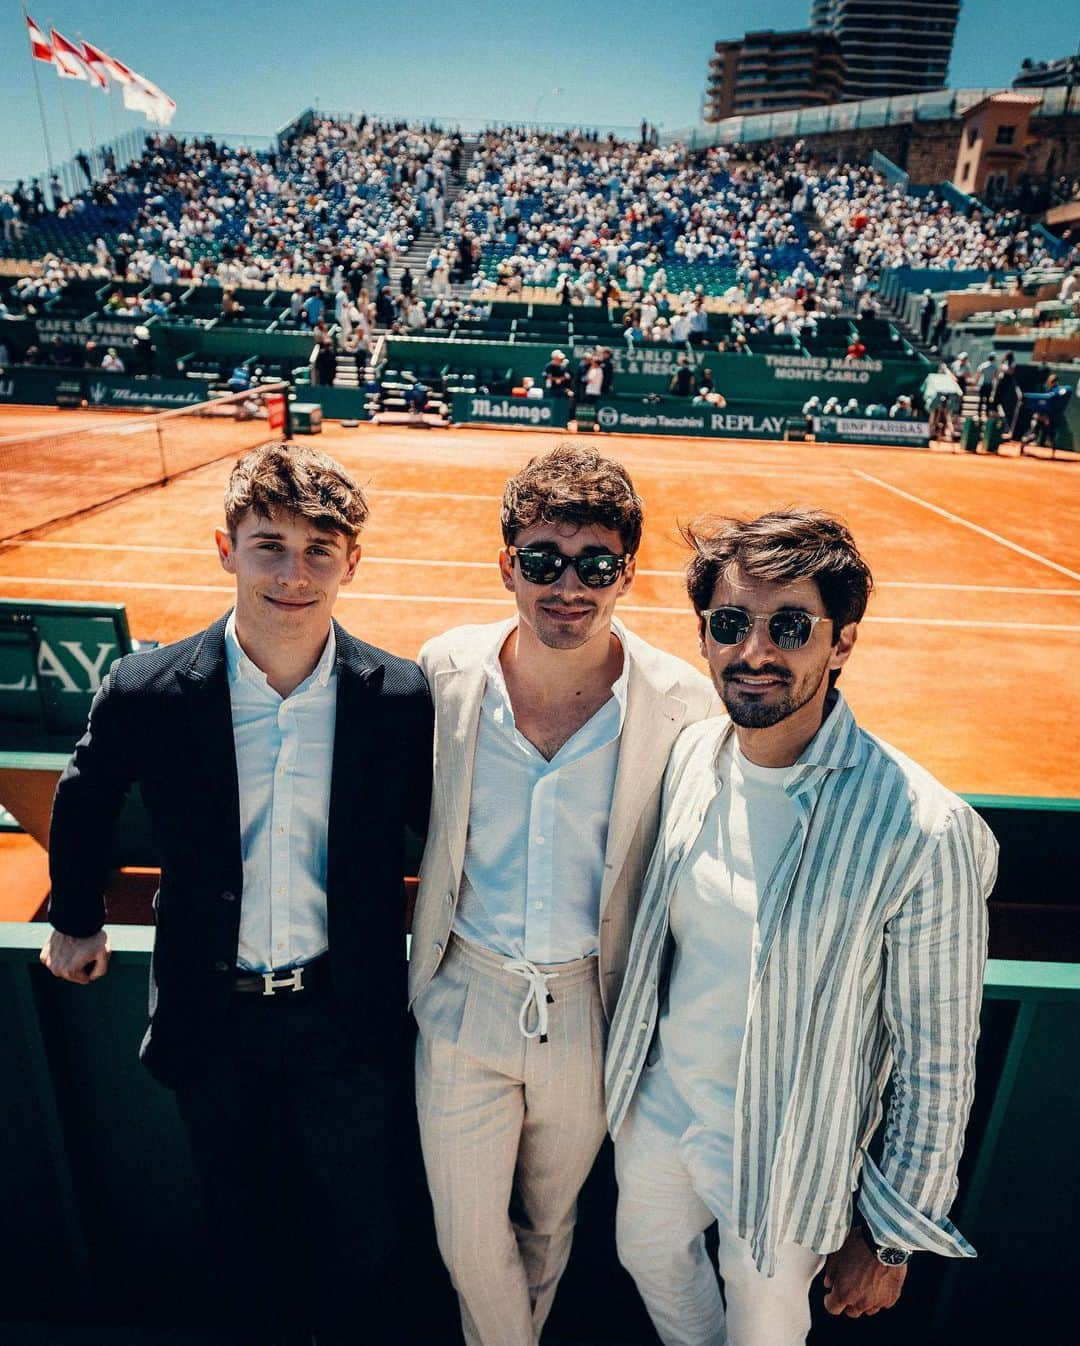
(678, 416)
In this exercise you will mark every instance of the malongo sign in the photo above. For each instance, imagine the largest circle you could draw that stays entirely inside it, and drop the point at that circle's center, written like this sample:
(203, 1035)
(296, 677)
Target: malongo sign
(673, 416)
(534, 413)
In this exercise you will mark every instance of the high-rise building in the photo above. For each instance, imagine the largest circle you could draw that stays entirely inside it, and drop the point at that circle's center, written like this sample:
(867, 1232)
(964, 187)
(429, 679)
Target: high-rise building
(772, 72)
(890, 46)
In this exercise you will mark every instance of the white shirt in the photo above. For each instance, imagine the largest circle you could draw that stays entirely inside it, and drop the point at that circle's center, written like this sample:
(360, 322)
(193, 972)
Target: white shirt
(284, 757)
(534, 855)
(713, 918)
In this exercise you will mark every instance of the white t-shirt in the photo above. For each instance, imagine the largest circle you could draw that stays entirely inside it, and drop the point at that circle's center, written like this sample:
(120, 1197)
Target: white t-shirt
(713, 917)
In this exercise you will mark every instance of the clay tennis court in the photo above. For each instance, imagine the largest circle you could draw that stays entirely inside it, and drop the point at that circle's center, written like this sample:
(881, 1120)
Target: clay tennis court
(967, 658)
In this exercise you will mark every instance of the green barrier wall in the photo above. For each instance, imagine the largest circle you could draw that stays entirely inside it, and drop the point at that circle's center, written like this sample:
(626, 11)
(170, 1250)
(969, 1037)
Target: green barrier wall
(101, 1208)
(175, 339)
(338, 404)
(779, 382)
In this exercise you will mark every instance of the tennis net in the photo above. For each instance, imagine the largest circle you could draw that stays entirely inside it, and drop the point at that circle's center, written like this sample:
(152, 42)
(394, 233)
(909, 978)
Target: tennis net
(46, 477)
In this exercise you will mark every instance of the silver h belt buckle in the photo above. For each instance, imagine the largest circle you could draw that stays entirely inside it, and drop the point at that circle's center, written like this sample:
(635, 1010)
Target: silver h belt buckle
(293, 980)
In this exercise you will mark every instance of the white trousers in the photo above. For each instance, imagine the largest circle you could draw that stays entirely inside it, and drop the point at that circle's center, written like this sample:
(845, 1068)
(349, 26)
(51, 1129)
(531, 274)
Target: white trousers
(510, 1127)
(660, 1230)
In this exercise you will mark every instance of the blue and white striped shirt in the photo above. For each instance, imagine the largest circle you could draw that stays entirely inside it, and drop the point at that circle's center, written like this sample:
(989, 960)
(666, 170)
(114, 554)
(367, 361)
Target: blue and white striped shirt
(868, 958)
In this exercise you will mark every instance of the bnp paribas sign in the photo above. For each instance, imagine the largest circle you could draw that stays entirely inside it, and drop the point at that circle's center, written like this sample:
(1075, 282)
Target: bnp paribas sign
(533, 413)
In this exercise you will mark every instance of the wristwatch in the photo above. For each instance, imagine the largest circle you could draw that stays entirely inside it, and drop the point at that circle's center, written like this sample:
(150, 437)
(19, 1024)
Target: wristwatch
(888, 1257)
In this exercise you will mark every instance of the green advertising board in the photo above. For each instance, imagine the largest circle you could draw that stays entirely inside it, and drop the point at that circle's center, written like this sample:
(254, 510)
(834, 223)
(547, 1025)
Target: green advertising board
(871, 430)
(678, 416)
(532, 413)
(777, 382)
(38, 387)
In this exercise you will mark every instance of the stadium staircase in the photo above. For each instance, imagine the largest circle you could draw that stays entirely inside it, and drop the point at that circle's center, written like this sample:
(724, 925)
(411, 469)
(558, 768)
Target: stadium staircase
(420, 248)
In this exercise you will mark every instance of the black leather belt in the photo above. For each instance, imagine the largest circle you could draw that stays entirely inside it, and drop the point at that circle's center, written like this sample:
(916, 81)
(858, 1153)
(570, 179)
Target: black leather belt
(284, 983)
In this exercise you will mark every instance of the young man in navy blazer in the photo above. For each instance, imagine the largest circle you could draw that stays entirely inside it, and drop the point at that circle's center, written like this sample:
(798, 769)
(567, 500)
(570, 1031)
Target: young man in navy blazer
(280, 760)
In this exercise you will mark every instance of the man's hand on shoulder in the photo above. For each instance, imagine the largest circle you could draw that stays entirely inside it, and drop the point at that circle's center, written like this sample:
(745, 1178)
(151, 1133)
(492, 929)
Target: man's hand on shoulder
(74, 959)
(856, 1281)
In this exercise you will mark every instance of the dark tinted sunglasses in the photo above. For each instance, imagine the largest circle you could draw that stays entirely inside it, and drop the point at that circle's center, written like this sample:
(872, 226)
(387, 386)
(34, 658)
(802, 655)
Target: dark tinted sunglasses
(788, 630)
(545, 567)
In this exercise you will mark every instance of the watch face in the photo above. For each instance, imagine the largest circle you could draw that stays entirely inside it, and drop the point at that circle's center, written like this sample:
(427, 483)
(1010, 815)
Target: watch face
(892, 1257)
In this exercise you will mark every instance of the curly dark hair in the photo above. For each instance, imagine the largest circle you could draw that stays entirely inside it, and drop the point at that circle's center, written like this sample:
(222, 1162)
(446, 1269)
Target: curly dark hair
(785, 545)
(573, 485)
(279, 478)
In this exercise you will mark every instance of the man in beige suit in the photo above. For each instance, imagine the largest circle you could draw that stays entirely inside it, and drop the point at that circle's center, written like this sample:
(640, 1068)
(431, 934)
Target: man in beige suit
(552, 733)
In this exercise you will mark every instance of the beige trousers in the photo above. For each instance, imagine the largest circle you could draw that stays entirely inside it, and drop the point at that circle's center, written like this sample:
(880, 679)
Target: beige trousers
(510, 1127)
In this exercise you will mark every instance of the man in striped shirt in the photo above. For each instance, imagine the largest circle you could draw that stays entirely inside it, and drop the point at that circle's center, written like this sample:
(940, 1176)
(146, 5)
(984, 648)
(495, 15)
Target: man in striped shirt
(812, 922)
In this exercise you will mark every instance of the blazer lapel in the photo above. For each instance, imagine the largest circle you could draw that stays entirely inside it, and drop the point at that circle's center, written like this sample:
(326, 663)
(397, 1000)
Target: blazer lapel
(651, 724)
(359, 681)
(459, 694)
(205, 683)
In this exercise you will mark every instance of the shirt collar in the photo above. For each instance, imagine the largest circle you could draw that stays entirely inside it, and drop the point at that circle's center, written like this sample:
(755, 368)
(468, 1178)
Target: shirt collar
(240, 666)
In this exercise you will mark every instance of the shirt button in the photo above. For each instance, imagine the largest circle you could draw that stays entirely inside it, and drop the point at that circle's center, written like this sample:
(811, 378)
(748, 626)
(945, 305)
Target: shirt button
(438, 947)
(221, 966)
(228, 896)
(539, 841)
(538, 906)
(644, 1024)
(449, 899)
(280, 831)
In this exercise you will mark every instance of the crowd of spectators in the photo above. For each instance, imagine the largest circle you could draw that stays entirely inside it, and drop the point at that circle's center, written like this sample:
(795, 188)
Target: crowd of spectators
(660, 236)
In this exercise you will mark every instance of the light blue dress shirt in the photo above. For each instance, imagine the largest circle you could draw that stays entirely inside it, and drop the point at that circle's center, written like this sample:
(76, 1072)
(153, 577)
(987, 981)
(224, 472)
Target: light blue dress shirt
(534, 856)
(284, 756)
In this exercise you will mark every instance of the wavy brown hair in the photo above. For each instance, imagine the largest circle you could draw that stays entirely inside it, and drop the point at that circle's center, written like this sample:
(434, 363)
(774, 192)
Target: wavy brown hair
(281, 479)
(786, 545)
(573, 485)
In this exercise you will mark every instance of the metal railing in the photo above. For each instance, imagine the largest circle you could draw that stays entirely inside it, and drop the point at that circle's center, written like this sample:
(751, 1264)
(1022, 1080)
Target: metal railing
(942, 105)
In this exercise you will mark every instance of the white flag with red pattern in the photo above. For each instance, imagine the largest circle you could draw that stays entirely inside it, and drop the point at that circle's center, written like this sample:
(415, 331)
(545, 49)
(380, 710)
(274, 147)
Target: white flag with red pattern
(40, 48)
(142, 95)
(67, 57)
(107, 65)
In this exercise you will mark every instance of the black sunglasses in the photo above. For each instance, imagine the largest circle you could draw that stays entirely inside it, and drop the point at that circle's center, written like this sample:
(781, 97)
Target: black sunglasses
(545, 567)
(789, 629)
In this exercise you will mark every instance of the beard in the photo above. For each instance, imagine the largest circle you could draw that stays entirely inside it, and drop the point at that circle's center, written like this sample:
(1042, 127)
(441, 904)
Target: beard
(761, 710)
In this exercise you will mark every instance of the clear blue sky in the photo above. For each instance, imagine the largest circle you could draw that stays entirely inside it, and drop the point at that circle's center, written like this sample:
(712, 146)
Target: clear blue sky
(251, 68)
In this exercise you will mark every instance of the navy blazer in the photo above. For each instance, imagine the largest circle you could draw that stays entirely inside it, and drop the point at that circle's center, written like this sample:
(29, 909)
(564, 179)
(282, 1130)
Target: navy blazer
(163, 718)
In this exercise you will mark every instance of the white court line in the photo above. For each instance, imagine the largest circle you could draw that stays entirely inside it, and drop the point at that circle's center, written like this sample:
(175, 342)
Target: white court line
(154, 549)
(505, 602)
(967, 523)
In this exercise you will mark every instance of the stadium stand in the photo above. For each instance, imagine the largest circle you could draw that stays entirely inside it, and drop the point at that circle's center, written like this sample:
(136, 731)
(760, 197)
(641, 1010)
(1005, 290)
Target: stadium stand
(307, 256)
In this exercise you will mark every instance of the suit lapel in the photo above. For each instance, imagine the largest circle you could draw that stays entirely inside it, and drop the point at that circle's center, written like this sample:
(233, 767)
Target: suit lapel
(459, 694)
(651, 724)
(209, 711)
(359, 682)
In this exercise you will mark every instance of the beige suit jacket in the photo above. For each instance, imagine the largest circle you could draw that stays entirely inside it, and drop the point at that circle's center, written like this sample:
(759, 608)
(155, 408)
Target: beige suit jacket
(664, 694)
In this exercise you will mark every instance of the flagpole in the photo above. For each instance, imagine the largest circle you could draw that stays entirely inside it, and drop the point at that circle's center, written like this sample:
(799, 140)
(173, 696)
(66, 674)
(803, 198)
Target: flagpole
(64, 108)
(41, 110)
(93, 140)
